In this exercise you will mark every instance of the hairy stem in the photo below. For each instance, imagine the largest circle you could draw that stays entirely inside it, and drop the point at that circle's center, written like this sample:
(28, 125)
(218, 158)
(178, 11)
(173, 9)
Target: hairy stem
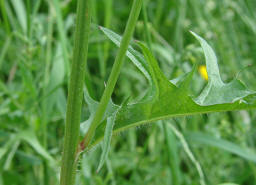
(75, 93)
(130, 26)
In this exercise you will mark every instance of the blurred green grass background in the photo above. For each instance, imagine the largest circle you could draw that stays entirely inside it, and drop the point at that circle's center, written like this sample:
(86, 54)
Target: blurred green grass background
(36, 41)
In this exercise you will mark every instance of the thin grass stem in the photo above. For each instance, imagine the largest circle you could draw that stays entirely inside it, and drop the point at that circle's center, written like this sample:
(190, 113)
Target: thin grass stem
(130, 26)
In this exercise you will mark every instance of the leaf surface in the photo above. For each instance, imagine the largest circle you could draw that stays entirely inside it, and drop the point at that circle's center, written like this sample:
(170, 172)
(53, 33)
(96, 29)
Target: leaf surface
(216, 91)
(107, 140)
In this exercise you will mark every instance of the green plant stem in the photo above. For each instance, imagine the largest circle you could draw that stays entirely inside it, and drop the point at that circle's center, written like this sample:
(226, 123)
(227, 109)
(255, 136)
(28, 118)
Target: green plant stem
(107, 24)
(62, 34)
(48, 57)
(159, 12)
(145, 20)
(28, 9)
(75, 94)
(46, 82)
(130, 26)
(100, 51)
(5, 17)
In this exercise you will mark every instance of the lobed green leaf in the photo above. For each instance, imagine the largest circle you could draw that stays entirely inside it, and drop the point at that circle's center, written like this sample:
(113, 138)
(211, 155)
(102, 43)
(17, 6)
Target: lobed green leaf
(166, 99)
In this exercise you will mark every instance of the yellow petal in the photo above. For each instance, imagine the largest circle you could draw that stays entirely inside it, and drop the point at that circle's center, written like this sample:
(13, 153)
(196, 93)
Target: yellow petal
(203, 72)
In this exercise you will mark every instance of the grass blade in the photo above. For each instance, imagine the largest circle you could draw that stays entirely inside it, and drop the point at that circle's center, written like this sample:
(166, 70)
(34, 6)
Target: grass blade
(29, 137)
(174, 159)
(222, 144)
(21, 14)
(189, 153)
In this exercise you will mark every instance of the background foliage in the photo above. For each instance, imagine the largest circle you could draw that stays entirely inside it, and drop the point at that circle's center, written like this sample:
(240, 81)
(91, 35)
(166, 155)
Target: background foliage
(36, 41)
